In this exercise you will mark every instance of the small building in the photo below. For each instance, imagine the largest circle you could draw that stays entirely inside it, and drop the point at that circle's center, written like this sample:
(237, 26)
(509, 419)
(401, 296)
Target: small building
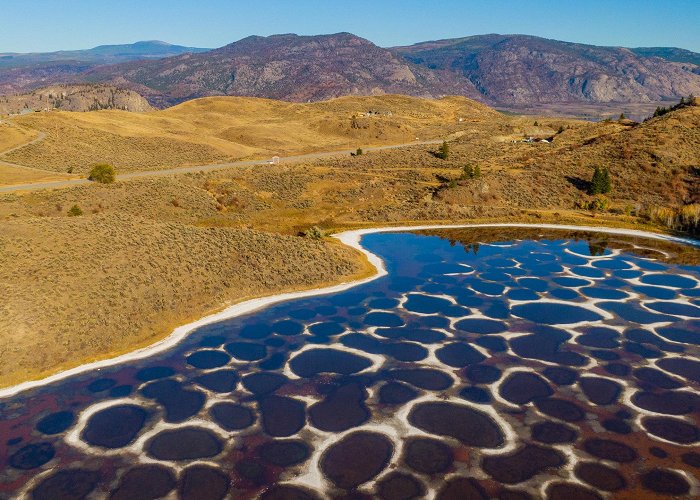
(275, 160)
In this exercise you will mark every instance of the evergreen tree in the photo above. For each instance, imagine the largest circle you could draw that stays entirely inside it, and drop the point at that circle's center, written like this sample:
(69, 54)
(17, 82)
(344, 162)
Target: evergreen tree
(622, 116)
(596, 185)
(444, 151)
(606, 183)
(471, 172)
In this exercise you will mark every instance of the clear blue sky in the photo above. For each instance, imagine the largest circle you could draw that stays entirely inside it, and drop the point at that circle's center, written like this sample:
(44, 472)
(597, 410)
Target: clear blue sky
(45, 25)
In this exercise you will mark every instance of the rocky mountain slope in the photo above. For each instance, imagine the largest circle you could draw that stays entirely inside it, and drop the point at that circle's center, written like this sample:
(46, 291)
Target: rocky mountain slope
(670, 54)
(73, 98)
(522, 70)
(513, 72)
(289, 67)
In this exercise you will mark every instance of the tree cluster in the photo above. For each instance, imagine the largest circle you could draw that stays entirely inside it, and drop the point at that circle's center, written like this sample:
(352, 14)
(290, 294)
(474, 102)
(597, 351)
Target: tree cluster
(471, 172)
(682, 104)
(444, 151)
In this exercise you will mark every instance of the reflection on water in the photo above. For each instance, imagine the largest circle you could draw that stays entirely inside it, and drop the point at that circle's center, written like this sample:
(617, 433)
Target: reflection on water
(487, 363)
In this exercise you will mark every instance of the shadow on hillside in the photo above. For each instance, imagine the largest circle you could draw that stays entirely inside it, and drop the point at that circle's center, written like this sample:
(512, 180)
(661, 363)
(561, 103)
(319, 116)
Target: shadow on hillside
(578, 183)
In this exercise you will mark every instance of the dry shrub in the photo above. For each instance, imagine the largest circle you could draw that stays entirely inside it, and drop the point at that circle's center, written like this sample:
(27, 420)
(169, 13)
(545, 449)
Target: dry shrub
(683, 218)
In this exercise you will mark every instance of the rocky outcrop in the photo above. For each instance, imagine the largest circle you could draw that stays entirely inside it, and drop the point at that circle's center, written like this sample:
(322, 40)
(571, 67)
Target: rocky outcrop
(73, 98)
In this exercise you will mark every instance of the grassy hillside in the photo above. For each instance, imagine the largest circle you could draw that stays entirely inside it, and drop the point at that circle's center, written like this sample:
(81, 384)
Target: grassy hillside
(221, 129)
(176, 236)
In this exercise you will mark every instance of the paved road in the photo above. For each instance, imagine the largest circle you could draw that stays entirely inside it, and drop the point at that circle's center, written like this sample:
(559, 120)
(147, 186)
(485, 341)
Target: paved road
(200, 168)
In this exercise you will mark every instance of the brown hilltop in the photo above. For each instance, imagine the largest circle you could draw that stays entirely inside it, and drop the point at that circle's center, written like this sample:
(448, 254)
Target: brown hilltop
(654, 163)
(219, 129)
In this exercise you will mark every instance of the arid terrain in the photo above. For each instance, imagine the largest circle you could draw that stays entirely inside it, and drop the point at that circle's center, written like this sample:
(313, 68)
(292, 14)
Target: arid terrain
(512, 72)
(73, 98)
(153, 252)
(218, 130)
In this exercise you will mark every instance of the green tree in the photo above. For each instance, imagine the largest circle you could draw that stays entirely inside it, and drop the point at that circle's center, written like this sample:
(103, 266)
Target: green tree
(606, 183)
(444, 151)
(359, 152)
(75, 211)
(600, 182)
(102, 173)
(622, 116)
(596, 185)
(471, 172)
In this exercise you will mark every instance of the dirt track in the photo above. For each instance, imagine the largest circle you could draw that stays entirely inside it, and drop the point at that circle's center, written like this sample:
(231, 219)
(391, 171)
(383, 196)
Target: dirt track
(196, 168)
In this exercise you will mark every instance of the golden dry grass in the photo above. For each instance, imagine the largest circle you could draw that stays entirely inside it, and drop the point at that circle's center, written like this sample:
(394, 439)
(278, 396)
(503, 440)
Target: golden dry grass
(219, 129)
(12, 136)
(12, 175)
(83, 288)
(174, 238)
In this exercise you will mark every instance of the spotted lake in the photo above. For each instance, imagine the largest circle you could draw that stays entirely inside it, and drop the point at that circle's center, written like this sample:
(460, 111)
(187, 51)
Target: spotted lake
(496, 363)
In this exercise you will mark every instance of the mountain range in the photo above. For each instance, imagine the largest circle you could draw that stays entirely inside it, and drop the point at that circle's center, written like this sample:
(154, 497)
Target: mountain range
(102, 54)
(508, 71)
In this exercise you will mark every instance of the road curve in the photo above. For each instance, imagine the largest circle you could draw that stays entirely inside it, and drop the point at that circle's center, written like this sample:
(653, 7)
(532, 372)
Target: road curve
(201, 168)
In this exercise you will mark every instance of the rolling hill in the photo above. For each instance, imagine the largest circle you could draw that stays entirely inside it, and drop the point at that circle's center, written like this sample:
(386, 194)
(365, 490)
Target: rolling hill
(220, 129)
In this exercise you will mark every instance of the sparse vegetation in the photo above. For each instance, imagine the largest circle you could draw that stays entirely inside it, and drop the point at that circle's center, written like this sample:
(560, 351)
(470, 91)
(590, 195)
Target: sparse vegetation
(444, 151)
(684, 218)
(599, 203)
(102, 173)
(217, 130)
(183, 231)
(75, 211)
(661, 111)
(314, 233)
(471, 172)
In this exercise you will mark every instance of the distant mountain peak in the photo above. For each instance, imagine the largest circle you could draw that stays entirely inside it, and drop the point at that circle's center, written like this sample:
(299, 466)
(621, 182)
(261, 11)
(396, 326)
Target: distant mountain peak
(508, 70)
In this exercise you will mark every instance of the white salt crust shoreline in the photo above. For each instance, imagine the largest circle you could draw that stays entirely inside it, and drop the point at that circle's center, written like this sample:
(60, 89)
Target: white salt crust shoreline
(350, 238)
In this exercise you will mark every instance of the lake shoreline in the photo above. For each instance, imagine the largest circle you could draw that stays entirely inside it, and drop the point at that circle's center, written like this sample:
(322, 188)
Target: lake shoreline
(351, 238)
